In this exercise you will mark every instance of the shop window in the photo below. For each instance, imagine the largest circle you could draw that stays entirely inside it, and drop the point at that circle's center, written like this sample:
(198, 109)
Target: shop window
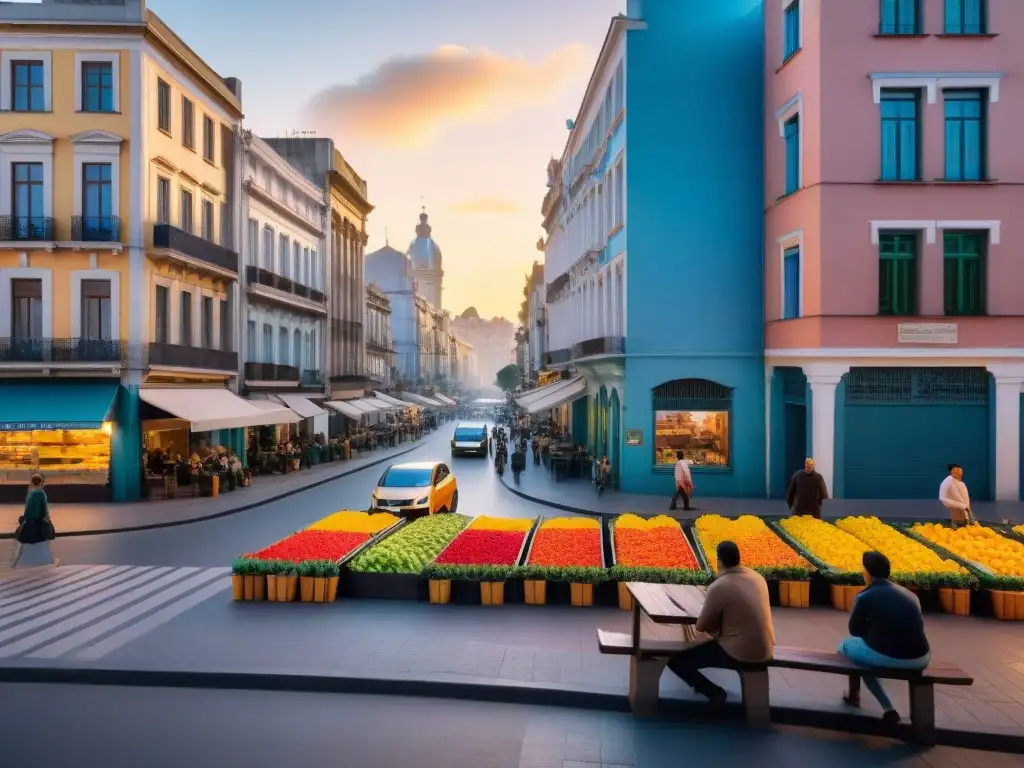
(963, 261)
(900, 17)
(965, 135)
(692, 416)
(900, 132)
(96, 309)
(897, 273)
(966, 17)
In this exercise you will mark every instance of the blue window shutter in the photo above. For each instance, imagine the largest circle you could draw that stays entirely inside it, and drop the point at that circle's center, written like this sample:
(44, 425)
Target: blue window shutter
(792, 155)
(954, 170)
(791, 284)
(791, 30)
(890, 149)
(908, 150)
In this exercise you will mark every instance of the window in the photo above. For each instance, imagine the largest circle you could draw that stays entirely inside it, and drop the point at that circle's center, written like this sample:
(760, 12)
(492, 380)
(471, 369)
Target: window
(186, 214)
(225, 325)
(163, 106)
(964, 272)
(283, 252)
(26, 308)
(620, 217)
(900, 17)
(163, 314)
(250, 340)
(791, 30)
(897, 273)
(268, 249)
(965, 135)
(188, 123)
(207, 222)
(282, 347)
(208, 139)
(186, 339)
(316, 269)
(792, 132)
(308, 268)
(96, 309)
(97, 86)
(966, 17)
(900, 135)
(97, 212)
(28, 84)
(206, 323)
(297, 264)
(226, 234)
(27, 202)
(254, 243)
(297, 350)
(692, 416)
(268, 343)
(791, 283)
(163, 200)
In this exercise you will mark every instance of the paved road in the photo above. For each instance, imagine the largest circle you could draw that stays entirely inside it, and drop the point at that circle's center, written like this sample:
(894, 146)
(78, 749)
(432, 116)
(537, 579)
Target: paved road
(131, 727)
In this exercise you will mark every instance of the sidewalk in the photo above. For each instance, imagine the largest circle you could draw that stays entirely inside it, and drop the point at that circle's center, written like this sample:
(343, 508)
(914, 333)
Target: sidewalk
(178, 627)
(92, 519)
(537, 484)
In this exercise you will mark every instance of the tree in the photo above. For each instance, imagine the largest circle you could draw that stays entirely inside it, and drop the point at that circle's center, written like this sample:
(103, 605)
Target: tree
(508, 378)
(470, 314)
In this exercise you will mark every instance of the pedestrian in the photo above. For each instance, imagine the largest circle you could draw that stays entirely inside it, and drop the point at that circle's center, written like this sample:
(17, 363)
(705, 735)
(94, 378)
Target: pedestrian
(954, 496)
(35, 530)
(684, 482)
(604, 474)
(737, 616)
(807, 491)
(887, 631)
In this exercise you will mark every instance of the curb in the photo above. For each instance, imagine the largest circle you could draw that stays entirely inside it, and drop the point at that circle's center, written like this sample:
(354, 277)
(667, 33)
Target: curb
(233, 510)
(511, 693)
(554, 504)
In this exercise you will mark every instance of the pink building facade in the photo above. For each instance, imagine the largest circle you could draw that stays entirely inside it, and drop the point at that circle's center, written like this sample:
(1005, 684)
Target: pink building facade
(894, 243)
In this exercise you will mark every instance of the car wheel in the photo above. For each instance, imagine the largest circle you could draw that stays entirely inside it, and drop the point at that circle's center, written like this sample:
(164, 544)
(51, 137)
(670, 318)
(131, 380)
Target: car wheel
(455, 502)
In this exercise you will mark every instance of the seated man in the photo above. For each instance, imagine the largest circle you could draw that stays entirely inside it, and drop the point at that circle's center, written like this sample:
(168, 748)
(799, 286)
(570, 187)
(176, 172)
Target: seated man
(887, 631)
(738, 617)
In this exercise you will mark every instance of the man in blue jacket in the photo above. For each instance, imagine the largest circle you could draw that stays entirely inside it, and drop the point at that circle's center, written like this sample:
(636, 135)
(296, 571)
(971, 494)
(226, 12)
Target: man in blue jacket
(887, 630)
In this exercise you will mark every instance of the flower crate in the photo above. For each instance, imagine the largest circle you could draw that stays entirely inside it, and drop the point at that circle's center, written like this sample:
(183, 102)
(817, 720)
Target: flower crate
(1007, 606)
(564, 551)
(795, 594)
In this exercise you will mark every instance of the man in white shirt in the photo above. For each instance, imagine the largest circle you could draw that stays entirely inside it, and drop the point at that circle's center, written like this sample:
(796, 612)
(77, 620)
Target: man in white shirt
(954, 496)
(684, 482)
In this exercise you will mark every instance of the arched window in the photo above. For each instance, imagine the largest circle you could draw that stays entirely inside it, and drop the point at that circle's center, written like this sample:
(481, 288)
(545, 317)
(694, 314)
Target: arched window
(691, 416)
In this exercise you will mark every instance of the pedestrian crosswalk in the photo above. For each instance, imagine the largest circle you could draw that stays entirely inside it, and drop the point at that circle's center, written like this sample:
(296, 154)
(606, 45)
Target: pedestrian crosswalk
(85, 612)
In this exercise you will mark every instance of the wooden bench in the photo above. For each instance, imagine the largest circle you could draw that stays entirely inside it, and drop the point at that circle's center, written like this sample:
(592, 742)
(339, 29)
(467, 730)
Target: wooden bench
(645, 676)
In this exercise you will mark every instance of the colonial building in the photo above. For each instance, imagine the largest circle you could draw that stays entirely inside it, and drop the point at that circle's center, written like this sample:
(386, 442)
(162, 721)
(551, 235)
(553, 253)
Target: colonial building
(392, 273)
(380, 349)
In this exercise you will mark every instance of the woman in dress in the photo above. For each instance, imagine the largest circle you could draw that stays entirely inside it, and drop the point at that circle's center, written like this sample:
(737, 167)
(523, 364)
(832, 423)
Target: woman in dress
(35, 530)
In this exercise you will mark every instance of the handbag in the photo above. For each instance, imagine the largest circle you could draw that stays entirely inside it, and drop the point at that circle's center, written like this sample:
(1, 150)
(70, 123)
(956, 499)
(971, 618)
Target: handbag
(19, 532)
(47, 530)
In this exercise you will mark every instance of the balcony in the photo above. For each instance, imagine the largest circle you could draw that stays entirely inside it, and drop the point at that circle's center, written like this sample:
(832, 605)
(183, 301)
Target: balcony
(26, 229)
(284, 374)
(608, 345)
(96, 229)
(558, 357)
(60, 351)
(257, 279)
(381, 347)
(193, 251)
(178, 356)
(311, 378)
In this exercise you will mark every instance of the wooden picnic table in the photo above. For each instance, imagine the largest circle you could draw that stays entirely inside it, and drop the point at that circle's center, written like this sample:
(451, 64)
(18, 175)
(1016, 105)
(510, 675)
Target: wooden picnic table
(663, 604)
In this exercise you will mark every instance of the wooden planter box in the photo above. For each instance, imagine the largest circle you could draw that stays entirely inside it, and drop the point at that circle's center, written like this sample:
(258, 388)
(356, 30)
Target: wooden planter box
(842, 596)
(492, 593)
(581, 595)
(795, 594)
(535, 592)
(248, 587)
(625, 599)
(1007, 606)
(955, 601)
(440, 591)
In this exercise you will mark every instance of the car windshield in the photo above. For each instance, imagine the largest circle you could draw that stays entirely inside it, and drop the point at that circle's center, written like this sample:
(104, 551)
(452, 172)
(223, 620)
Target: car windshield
(406, 477)
(470, 434)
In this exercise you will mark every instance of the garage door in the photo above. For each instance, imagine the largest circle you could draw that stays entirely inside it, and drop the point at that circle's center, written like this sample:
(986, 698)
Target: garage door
(903, 426)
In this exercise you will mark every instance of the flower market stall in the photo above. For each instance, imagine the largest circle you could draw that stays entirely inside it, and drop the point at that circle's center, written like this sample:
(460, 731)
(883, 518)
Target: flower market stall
(307, 564)
(996, 560)
(565, 550)
(655, 551)
(485, 553)
(760, 549)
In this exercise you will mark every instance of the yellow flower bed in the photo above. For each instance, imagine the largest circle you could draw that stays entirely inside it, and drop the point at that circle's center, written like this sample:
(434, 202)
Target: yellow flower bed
(355, 522)
(905, 555)
(630, 520)
(760, 547)
(501, 523)
(978, 544)
(1019, 529)
(577, 523)
(837, 549)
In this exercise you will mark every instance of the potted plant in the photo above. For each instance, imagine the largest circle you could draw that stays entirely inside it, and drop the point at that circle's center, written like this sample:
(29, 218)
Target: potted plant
(307, 571)
(332, 573)
(244, 574)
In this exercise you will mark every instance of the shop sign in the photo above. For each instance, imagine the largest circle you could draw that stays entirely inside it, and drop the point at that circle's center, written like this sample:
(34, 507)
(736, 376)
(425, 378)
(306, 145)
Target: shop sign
(48, 426)
(927, 333)
(634, 437)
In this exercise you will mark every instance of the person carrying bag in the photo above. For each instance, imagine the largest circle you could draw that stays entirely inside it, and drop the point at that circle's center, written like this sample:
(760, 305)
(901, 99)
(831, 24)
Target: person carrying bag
(35, 530)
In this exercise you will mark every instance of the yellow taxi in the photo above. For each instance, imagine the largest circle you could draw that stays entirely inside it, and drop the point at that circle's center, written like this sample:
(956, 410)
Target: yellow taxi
(415, 489)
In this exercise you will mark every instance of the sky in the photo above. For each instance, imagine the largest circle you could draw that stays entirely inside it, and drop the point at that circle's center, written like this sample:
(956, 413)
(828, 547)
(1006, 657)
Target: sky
(456, 105)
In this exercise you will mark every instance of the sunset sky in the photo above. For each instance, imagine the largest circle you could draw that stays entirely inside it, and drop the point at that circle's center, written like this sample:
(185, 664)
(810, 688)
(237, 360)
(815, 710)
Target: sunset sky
(459, 103)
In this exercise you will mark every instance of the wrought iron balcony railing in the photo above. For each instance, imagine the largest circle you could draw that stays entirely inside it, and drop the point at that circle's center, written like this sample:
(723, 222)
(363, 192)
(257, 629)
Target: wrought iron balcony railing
(41, 350)
(26, 228)
(271, 372)
(608, 345)
(260, 276)
(180, 356)
(95, 229)
(193, 246)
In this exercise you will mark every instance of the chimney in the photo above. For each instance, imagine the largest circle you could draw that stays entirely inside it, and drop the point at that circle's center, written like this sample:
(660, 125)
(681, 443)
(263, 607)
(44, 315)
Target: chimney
(235, 86)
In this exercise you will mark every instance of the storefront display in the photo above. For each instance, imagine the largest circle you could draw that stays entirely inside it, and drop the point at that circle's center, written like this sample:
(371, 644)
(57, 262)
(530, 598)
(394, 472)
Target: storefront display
(62, 456)
(702, 436)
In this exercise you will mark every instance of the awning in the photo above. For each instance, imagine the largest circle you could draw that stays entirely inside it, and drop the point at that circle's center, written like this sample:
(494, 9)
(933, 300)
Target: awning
(420, 400)
(365, 405)
(276, 411)
(542, 392)
(45, 404)
(391, 400)
(345, 408)
(211, 408)
(574, 389)
(302, 406)
(444, 399)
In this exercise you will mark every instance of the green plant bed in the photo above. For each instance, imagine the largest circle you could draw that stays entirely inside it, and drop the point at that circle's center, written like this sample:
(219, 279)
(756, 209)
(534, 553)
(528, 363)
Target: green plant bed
(412, 547)
(659, 575)
(570, 575)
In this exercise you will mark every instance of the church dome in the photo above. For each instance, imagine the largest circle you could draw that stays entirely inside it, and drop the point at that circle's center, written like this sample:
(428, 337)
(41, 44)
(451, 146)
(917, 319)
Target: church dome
(423, 251)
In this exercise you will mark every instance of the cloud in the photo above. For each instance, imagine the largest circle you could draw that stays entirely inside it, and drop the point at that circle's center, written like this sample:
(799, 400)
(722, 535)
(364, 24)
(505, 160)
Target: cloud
(407, 101)
(486, 205)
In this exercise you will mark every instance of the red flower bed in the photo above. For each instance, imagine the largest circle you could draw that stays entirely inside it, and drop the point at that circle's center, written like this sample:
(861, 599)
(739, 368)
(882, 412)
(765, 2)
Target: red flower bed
(566, 548)
(312, 545)
(476, 546)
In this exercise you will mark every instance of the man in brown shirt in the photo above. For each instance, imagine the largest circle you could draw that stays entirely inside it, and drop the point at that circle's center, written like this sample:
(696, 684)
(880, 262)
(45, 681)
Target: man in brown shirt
(737, 615)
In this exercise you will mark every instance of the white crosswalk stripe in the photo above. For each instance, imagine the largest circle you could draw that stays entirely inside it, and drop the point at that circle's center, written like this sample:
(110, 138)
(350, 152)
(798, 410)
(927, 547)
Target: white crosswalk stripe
(87, 612)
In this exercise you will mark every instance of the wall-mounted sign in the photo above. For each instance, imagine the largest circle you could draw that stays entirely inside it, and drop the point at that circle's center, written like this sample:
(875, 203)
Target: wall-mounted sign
(634, 437)
(927, 333)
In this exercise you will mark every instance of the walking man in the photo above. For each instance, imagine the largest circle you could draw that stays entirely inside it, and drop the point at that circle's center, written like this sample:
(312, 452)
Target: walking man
(684, 483)
(954, 496)
(806, 491)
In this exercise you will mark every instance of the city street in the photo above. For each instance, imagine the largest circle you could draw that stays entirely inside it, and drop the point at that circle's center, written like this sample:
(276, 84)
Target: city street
(130, 727)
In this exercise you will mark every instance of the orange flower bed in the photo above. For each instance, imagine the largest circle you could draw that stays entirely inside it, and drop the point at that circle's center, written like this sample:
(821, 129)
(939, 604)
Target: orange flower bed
(760, 548)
